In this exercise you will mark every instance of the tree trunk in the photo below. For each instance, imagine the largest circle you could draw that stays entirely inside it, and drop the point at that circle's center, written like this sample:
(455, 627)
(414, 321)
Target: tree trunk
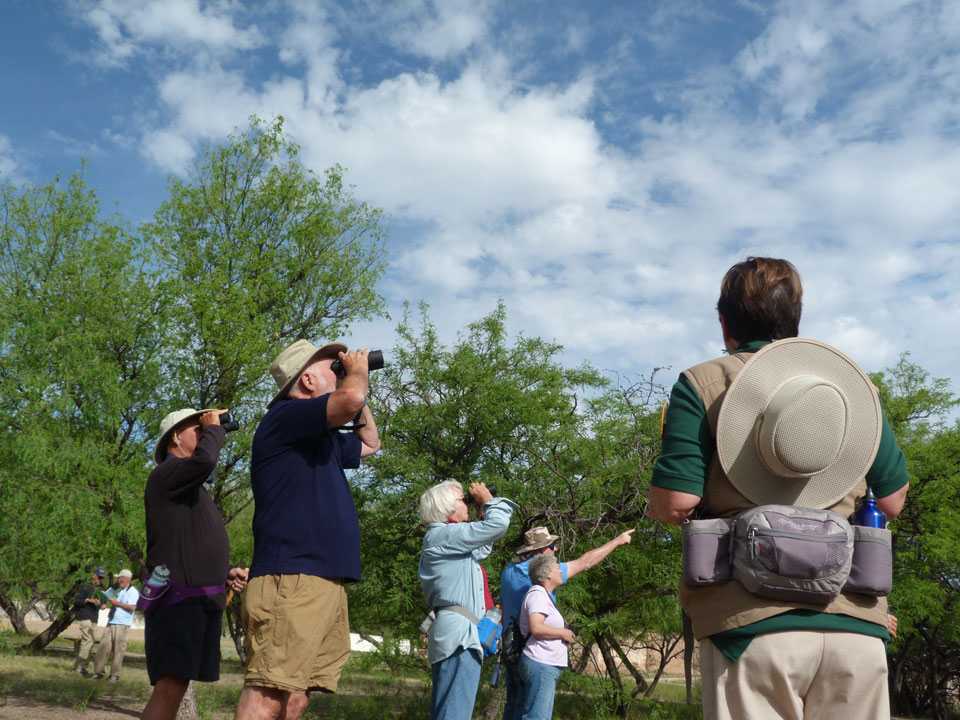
(188, 706)
(57, 626)
(52, 632)
(584, 658)
(235, 628)
(637, 675)
(17, 616)
(614, 672)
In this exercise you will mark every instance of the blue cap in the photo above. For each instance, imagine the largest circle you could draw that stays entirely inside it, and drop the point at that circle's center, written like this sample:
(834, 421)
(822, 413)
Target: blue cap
(99, 572)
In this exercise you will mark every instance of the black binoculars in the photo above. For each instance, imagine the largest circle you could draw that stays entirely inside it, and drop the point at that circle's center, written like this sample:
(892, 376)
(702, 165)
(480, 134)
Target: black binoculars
(374, 362)
(468, 498)
(228, 423)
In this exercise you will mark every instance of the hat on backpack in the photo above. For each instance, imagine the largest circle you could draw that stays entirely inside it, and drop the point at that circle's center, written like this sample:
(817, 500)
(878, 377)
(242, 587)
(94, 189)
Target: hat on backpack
(799, 425)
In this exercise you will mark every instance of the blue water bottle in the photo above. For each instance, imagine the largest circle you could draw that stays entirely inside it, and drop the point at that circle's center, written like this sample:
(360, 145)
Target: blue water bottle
(867, 513)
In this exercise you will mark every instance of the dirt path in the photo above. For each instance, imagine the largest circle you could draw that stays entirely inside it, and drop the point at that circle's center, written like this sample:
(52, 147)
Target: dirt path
(106, 707)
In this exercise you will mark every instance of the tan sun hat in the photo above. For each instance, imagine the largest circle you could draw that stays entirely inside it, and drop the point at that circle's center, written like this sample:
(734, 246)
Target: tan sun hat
(292, 361)
(534, 539)
(800, 425)
(168, 425)
(125, 574)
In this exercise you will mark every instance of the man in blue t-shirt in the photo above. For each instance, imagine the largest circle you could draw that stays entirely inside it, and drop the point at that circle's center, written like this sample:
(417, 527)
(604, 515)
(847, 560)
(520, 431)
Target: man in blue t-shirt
(306, 531)
(515, 581)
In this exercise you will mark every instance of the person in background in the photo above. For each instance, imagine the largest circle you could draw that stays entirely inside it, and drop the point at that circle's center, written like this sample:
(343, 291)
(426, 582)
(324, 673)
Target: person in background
(114, 638)
(453, 585)
(86, 605)
(545, 654)
(515, 582)
(186, 534)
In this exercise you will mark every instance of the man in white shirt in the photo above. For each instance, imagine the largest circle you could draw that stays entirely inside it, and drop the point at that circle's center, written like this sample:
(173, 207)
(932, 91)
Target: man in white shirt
(118, 625)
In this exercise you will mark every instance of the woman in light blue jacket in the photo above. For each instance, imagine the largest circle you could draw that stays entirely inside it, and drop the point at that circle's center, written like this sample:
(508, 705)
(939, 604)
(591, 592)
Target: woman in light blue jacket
(452, 584)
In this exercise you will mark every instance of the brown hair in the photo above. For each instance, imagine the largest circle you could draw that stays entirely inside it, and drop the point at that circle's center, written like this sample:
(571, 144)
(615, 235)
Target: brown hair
(761, 299)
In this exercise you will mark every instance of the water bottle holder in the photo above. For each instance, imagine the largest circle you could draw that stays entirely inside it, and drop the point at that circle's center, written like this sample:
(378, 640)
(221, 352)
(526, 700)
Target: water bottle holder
(871, 572)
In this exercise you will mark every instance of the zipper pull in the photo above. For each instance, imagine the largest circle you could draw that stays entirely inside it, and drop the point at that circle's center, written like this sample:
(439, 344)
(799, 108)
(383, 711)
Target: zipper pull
(752, 540)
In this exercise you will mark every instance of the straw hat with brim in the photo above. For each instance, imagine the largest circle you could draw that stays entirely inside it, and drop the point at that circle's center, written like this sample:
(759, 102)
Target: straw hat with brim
(295, 359)
(168, 425)
(800, 425)
(534, 539)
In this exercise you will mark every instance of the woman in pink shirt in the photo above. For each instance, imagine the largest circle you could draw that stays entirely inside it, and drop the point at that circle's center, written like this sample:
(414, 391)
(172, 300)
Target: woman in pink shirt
(545, 653)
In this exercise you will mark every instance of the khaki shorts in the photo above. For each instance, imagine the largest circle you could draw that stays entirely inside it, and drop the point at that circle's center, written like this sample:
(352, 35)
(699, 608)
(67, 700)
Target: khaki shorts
(298, 633)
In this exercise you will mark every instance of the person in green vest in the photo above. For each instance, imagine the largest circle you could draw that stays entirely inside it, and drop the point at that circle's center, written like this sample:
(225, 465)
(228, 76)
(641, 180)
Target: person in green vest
(762, 657)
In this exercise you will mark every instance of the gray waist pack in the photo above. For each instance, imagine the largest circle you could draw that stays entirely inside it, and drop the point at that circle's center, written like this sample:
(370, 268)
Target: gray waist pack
(789, 553)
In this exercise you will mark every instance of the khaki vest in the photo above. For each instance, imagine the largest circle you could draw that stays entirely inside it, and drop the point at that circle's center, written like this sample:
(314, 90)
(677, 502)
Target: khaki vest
(717, 608)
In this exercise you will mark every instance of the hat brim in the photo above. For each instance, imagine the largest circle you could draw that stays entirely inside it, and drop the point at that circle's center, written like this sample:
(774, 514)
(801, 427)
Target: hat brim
(746, 399)
(535, 546)
(160, 449)
(329, 350)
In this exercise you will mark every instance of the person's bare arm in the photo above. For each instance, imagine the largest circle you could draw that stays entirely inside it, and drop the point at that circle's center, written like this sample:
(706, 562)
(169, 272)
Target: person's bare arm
(346, 401)
(540, 630)
(369, 437)
(671, 506)
(126, 606)
(592, 557)
(892, 504)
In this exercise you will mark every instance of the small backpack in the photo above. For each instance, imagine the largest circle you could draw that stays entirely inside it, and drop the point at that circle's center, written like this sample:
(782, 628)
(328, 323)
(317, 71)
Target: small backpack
(512, 643)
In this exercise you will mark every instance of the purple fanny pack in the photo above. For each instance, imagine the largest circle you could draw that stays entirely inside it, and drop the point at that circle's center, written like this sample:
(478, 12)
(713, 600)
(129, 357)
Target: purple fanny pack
(171, 592)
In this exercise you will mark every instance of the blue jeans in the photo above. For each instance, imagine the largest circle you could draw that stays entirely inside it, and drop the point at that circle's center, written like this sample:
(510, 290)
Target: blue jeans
(513, 710)
(539, 687)
(455, 681)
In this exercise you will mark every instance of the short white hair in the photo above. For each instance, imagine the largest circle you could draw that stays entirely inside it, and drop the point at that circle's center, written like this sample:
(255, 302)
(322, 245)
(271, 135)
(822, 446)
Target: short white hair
(296, 391)
(540, 568)
(438, 503)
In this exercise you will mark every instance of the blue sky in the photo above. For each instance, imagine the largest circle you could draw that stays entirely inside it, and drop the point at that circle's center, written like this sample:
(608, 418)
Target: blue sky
(598, 165)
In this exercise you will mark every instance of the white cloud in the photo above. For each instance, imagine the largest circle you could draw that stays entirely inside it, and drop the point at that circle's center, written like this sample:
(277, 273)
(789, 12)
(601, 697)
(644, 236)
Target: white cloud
(437, 29)
(829, 139)
(75, 147)
(168, 150)
(8, 161)
(124, 28)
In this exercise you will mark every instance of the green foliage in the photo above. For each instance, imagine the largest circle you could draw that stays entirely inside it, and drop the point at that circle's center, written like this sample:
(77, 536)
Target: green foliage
(924, 660)
(257, 252)
(571, 448)
(104, 330)
(78, 375)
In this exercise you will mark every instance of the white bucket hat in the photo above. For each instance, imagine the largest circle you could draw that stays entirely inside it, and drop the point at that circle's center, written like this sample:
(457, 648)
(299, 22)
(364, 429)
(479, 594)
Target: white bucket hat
(168, 425)
(292, 361)
(799, 425)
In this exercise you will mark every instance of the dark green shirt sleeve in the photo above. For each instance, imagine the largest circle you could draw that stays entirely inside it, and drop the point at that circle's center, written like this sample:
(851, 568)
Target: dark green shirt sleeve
(889, 470)
(687, 447)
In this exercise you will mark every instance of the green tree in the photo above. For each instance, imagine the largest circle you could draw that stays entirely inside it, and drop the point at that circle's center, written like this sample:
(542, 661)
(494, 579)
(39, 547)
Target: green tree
(103, 330)
(80, 338)
(925, 659)
(571, 448)
(258, 252)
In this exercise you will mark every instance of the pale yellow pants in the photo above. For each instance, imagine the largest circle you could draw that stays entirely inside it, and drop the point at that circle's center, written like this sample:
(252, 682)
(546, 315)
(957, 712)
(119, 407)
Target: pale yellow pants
(87, 630)
(114, 640)
(797, 675)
